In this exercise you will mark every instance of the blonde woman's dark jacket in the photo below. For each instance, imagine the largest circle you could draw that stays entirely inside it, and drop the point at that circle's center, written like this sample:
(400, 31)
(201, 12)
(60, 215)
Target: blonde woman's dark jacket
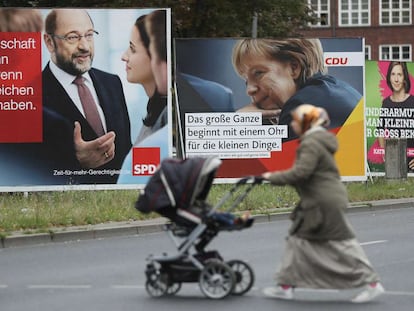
(323, 197)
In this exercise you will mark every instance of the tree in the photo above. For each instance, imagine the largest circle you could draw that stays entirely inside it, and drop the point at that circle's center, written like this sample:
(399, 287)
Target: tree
(211, 18)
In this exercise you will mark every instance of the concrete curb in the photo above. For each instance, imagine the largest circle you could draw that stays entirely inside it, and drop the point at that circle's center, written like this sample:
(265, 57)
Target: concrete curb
(156, 225)
(84, 233)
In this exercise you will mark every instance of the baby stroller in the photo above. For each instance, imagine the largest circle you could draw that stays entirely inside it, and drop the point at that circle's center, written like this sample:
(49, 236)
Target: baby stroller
(178, 191)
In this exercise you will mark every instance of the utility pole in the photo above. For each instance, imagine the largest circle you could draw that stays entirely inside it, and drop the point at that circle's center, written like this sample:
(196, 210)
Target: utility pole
(254, 25)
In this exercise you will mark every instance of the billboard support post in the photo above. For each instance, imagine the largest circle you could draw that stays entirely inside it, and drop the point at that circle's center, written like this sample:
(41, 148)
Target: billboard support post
(395, 159)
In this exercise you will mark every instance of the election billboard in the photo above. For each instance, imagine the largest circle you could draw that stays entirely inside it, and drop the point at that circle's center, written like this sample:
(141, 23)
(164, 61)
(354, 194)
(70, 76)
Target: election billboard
(235, 97)
(82, 104)
(389, 111)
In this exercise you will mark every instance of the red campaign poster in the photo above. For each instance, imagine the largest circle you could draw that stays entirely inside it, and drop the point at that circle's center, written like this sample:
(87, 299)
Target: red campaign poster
(20, 87)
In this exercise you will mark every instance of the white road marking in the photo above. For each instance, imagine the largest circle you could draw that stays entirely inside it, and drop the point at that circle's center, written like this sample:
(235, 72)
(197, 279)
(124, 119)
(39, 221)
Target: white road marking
(127, 286)
(255, 290)
(374, 242)
(58, 286)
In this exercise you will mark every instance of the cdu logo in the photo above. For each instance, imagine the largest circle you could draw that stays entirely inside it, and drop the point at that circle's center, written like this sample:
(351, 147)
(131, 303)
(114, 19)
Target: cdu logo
(145, 160)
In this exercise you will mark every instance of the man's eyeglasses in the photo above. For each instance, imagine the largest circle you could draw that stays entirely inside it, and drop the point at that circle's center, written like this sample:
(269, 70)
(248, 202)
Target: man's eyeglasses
(73, 38)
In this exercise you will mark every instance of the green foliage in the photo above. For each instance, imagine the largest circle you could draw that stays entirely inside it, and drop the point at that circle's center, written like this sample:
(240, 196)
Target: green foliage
(64, 209)
(285, 19)
(381, 189)
(209, 18)
(45, 211)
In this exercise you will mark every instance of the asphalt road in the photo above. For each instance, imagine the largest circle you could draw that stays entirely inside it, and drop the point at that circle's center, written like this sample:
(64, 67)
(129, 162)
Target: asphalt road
(108, 274)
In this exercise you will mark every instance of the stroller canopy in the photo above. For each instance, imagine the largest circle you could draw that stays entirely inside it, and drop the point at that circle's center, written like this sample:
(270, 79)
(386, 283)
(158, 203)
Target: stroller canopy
(178, 184)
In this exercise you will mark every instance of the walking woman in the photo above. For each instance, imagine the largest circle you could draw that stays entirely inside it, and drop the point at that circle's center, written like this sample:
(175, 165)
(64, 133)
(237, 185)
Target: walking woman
(321, 250)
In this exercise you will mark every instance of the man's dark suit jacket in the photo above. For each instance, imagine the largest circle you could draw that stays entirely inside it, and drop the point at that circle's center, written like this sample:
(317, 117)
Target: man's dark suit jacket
(60, 113)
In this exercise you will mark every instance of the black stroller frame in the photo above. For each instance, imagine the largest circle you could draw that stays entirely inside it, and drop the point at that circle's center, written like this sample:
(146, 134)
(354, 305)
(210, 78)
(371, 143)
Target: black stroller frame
(178, 190)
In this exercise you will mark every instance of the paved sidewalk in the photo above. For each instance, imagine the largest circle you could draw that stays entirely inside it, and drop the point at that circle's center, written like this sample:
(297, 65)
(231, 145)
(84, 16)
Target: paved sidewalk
(69, 234)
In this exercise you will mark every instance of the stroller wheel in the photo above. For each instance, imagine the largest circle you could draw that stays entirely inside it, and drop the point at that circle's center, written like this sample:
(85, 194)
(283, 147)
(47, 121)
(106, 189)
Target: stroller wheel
(156, 284)
(173, 288)
(156, 289)
(217, 279)
(244, 276)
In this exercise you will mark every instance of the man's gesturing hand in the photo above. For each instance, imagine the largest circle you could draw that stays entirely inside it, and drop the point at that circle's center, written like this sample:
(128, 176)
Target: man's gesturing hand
(94, 153)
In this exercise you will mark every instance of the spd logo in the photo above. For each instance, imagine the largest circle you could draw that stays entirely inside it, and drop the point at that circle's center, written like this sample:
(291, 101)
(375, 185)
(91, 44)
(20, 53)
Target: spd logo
(145, 160)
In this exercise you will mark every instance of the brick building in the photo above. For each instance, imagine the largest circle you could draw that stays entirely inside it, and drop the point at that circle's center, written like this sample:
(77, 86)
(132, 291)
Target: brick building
(386, 25)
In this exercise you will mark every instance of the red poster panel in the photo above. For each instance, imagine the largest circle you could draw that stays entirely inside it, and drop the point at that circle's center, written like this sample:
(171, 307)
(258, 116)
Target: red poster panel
(20, 87)
(145, 160)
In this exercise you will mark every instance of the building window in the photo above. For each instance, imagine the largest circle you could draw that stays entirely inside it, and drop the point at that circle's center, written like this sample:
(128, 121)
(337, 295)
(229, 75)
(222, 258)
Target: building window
(367, 52)
(354, 12)
(395, 52)
(321, 9)
(395, 12)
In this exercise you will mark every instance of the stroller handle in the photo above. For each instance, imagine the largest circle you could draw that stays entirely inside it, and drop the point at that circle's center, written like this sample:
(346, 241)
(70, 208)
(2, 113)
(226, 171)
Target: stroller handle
(254, 179)
(250, 181)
